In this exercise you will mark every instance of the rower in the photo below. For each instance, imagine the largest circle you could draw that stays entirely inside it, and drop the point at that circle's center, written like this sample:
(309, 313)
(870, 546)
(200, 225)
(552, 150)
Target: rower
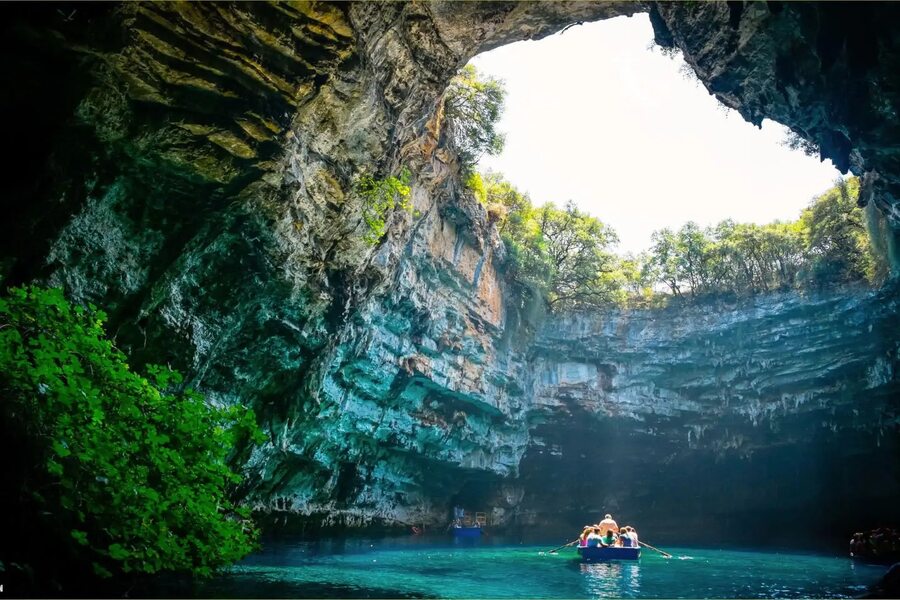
(632, 533)
(607, 524)
(582, 539)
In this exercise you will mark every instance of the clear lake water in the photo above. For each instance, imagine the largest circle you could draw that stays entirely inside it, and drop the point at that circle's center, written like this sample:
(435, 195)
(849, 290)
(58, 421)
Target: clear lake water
(439, 568)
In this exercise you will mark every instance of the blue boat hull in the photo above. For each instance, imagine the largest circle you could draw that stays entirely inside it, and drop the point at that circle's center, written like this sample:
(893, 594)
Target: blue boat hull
(601, 553)
(467, 532)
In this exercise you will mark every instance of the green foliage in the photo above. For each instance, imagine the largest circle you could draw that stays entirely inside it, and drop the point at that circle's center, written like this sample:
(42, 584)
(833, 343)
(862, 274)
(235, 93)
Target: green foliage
(476, 184)
(513, 211)
(828, 245)
(561, 254)
(730, 257)
(380, 197)
(837, 239)
(575, 252)
(564, 256)
(636, 281)
(795, 141)
(125, 470)
(472, 107)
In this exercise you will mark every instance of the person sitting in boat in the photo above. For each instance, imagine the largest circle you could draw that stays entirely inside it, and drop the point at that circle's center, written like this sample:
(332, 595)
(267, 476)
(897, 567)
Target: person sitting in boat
(608, 539)
(632, 533)
(607, 524)
(594, 538)
(625, 540)
(582, 539)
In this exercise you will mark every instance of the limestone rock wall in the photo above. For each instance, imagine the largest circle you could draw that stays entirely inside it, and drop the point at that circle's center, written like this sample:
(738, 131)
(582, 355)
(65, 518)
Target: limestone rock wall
(190, 168)
(765, 413)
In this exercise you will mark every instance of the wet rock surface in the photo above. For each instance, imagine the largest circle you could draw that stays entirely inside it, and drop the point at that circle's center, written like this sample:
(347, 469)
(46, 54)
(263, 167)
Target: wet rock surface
(190, 168)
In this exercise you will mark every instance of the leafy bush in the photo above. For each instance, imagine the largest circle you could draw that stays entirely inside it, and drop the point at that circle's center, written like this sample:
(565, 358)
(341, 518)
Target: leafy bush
(380, 197)
(472, 107)
(475, 183)
(123, 471)
(837, 239)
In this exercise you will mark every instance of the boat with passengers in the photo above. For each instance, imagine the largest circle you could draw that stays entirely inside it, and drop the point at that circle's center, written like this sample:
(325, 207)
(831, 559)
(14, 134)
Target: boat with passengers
(467, 525)
(607, 541)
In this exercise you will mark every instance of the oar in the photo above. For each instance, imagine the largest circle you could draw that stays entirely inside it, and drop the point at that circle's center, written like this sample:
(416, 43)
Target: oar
(575, 541)
(665, 554)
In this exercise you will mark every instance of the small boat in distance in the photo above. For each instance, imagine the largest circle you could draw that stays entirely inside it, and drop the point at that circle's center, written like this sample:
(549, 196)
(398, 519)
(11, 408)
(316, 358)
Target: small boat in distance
(597, 553)
(466, 532)
(464, 526)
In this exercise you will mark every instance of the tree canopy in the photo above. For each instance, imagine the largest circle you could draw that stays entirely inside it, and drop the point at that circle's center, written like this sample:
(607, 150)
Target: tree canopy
(828, 245)
(472, 107)
(561, 253)
(567, 256)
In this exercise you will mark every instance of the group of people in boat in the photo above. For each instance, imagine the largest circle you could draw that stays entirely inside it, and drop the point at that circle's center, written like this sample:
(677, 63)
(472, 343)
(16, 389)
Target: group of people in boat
(883, 542)
(607, 533)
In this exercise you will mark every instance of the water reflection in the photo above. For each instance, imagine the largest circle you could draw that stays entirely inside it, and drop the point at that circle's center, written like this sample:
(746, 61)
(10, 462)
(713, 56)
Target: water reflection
(612, 579)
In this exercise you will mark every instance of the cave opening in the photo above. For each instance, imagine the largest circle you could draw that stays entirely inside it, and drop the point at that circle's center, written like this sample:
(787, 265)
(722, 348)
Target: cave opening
(600, 117)
(299, 207)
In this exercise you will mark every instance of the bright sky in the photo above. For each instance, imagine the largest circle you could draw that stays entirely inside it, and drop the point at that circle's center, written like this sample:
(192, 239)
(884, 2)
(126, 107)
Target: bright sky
(594, 116)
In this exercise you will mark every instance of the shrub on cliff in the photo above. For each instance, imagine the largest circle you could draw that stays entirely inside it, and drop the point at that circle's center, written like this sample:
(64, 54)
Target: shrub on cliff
(379, 199)
(108, 470)
(472, 107)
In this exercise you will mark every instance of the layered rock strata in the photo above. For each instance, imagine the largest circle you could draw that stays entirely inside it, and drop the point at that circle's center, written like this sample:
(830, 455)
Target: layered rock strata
(768, 413)
(191, 167)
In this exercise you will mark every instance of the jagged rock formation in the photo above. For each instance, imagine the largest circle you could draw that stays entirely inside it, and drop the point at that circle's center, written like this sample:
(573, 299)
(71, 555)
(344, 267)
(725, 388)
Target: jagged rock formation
(190, 167)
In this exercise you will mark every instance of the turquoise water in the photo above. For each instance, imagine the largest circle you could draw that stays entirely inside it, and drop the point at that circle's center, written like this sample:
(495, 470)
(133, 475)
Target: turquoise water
(422, 568)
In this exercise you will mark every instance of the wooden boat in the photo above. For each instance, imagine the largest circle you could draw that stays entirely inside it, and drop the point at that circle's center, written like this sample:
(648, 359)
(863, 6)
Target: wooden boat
(597, 553)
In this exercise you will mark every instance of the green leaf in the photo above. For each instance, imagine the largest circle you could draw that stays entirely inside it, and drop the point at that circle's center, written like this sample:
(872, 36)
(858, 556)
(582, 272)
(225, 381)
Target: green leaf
(101, 571)
(118, 552)
(80, 537)
(60, 449)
